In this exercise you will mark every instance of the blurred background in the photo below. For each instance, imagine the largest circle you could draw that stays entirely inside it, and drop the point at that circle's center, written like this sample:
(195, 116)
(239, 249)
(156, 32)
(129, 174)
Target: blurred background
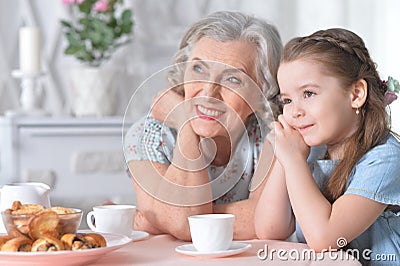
(68, 152)
(159, 26)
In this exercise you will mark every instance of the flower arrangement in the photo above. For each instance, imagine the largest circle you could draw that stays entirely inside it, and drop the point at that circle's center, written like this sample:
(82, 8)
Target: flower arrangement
(392, 87)
(98, 28)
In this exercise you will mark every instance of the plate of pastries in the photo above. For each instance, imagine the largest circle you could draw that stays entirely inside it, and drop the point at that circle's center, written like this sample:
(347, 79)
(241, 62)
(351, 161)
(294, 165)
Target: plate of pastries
(48, 236)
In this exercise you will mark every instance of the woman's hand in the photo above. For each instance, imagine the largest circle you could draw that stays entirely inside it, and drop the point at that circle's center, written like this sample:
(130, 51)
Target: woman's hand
(166, 106)
(142, 224)
(288, 142)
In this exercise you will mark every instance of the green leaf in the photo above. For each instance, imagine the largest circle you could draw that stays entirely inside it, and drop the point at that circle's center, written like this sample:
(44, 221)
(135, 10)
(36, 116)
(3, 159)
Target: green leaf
(126, 28)
(86, 6)
(85, 21)
(66, 24)
(108, 36)
(73, 49)
(126, 16)
(72, 40)
(98, 24)
(95, 37)
(113, 22)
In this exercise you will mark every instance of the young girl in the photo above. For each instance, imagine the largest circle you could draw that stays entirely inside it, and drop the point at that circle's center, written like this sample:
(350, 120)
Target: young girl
(347, 190)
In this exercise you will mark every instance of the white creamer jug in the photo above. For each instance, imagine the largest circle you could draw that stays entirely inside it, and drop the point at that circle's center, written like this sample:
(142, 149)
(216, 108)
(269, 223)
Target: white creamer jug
(30, 192)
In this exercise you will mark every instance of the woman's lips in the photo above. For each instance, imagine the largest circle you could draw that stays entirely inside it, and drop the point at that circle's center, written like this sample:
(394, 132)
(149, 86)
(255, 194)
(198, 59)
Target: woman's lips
(208, 113)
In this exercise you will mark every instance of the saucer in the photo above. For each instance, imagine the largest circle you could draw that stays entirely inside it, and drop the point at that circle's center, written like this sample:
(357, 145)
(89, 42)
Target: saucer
(235, 248)
(135, 235)
(138, 235)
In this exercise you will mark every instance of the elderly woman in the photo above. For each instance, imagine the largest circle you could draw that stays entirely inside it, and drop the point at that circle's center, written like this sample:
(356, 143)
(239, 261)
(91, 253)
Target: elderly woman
(199, 150)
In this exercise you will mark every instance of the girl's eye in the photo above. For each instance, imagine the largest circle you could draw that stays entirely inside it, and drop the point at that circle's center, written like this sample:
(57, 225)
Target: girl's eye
(285, 101)
(308, 94)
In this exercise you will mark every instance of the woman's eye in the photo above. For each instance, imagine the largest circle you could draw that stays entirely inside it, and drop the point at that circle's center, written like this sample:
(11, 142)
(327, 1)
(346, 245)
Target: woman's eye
(197, 68)
(308, 94)
(234, 80)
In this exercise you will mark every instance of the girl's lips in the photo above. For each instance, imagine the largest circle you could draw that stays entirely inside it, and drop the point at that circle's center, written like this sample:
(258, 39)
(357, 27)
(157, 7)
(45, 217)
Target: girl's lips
(208, 113)
(304, 128)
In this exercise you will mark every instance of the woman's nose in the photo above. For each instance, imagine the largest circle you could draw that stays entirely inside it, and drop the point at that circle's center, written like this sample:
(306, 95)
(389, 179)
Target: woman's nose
(212, 89)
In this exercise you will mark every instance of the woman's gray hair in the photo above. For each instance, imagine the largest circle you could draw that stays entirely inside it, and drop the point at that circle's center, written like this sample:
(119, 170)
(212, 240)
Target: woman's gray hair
(232, 26)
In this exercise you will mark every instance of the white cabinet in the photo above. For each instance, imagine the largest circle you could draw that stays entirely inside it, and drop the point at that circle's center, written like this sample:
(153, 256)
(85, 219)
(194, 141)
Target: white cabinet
(80, 158)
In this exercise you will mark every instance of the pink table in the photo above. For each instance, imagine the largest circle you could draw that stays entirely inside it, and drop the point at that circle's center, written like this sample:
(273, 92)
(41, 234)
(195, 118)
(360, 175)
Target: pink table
(160, 250)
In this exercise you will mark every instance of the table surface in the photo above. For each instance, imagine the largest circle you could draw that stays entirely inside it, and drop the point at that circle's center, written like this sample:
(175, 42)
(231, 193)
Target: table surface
(160, 250)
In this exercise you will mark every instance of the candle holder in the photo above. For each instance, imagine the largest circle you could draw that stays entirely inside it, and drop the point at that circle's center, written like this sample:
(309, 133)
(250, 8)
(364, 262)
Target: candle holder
(31, 94)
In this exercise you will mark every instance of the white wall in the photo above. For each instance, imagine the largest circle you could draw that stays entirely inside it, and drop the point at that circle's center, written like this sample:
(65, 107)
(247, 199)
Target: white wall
(160, 24)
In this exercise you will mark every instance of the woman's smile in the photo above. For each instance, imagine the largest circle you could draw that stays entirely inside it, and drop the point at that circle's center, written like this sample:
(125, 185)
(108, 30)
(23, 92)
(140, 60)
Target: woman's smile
(208, 113)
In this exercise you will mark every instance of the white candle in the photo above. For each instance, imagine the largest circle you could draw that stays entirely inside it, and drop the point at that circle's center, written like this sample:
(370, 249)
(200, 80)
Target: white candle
(29, 50)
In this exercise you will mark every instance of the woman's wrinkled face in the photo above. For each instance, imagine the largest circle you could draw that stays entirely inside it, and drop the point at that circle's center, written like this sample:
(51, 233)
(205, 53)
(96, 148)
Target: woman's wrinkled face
(219, 76)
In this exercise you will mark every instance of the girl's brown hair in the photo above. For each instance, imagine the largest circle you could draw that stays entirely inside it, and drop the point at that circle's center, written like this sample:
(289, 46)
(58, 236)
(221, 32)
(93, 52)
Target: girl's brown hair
(344, 56)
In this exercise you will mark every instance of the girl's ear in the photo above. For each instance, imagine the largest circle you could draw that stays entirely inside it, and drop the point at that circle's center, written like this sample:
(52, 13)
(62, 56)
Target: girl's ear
(359, 92)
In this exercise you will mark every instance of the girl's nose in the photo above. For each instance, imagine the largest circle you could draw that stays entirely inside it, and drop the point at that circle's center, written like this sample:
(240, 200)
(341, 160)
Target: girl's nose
(297, 110)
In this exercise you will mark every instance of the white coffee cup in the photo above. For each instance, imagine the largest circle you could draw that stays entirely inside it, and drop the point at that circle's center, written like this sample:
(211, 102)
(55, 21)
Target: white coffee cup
(116, 219)
(211, 232)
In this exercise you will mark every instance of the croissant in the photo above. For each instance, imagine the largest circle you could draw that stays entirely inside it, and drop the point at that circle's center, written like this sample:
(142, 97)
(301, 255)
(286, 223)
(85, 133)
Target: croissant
(83, 241)
(47, 244)
(74, 242)
(4, 239)
(18, 244)
(94, 240)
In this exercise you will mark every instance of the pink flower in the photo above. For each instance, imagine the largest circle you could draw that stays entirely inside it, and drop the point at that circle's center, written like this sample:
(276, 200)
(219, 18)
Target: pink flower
(68, 2)
(390, 96)
(101, 6)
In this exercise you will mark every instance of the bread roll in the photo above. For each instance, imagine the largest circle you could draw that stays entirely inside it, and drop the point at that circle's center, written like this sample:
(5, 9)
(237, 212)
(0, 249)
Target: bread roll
(47, 244)
(94, 240)
(74, 242)
(4, 239)
(18, 244)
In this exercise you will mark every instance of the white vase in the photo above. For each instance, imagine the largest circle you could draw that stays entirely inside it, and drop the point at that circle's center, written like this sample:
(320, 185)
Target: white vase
(93, 91)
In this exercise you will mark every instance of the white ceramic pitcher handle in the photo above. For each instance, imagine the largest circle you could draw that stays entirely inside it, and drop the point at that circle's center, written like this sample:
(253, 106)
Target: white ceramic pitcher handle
(89, 220)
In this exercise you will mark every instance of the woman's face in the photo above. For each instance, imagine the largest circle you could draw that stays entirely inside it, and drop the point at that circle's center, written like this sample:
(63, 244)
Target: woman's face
(315, 103)
(218, 77)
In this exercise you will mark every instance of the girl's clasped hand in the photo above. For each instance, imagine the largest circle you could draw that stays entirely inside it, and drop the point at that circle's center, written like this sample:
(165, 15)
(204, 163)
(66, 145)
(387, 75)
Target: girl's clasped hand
(288, 142)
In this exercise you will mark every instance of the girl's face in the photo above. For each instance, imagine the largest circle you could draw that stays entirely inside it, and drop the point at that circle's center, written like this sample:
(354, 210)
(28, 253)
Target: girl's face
(218, 76)
(315, 103)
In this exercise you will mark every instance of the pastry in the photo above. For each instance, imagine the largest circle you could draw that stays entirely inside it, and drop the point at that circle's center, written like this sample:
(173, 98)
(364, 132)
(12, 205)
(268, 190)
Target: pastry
(68, 221)
(83, 241)
(74, 242)
(16, 205)
(47, 244)
(62, 210)
(94, 240)
(43, 224)
(28, 209)
(4, 239)
(18, 244)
